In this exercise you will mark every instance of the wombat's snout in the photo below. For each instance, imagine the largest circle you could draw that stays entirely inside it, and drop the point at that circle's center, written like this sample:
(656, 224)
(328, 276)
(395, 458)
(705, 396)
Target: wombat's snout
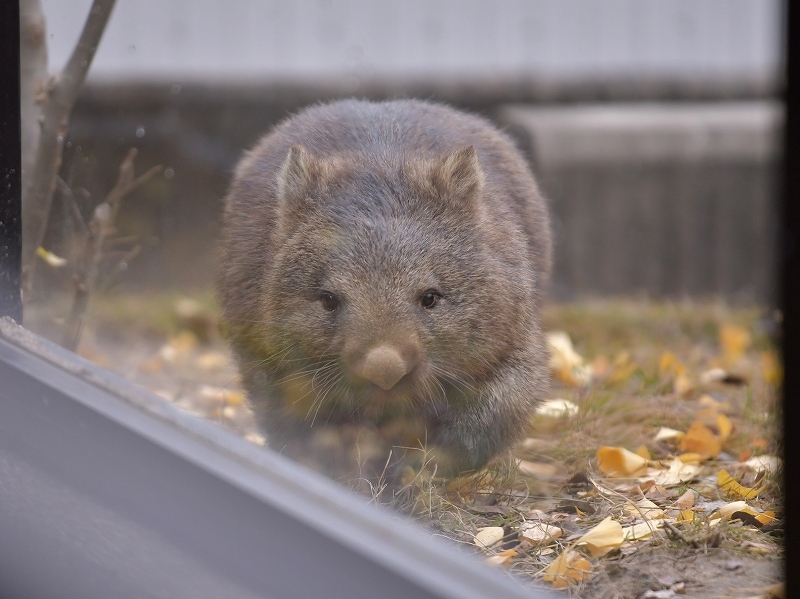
(384, 366)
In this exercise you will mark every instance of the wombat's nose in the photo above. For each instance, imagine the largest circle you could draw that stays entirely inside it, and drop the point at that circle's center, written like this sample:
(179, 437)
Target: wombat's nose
(383, 366)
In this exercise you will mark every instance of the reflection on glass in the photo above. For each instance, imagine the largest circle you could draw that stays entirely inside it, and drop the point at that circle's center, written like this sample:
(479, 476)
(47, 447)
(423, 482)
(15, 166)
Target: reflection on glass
(377, 314)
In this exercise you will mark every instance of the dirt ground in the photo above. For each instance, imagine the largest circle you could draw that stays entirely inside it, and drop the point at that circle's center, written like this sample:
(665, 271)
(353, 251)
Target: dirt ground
(637, 368)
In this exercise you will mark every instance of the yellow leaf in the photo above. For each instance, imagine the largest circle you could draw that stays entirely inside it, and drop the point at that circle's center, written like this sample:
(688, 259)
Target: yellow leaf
(734, 341)
(642, 451)
(766, 517)
(184, 341)
(668, 434)
(604, 537)
(690, 458)
(771, 368)
(618, 461)
(641, 530)
(670, 365)
(727, 483)
(701, 439)
(644, 508)
(537, 532)
(729, 508)
(211, 360)
(51, 258)
(570, 567)
(503, 558)
(686, 516)
(624, 367)
(724, 426)
(488, 537)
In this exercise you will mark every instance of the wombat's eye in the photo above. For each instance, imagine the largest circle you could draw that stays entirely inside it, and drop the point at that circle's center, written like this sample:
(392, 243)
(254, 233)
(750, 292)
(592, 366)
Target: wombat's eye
(429, 298)
(329, 301)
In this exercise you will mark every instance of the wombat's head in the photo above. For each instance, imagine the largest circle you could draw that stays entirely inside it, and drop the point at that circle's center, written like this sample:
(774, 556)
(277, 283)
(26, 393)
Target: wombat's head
(391, 286)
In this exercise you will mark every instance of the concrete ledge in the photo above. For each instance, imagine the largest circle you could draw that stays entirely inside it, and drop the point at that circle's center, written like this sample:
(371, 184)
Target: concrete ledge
(649, 132)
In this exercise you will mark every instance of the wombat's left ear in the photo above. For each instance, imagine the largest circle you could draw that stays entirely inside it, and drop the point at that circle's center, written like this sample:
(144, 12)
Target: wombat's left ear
(295, 175)
(458, 176)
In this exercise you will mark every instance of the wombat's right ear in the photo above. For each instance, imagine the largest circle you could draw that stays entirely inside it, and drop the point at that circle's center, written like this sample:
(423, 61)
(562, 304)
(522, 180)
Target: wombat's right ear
(295, 174)
(459, 176)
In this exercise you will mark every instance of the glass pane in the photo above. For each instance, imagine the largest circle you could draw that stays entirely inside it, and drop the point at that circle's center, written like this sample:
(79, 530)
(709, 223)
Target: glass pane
(378, 302)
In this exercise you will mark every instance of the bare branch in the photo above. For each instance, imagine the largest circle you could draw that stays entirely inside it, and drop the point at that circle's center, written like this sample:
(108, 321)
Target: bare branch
(125, 181)
(100, 228)
(33, 80)
(62, 96)
(87, 274)
(66, 191)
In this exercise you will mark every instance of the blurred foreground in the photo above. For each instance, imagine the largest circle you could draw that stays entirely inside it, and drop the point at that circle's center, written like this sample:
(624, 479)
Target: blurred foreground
(652, 470)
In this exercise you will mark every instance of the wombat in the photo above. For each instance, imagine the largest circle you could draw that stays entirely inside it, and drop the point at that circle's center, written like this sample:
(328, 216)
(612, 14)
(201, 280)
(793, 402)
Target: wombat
(386, 262)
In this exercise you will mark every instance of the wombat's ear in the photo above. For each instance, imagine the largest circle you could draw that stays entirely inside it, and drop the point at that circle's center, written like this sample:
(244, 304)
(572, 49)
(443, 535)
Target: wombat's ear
(458, 175)
(295, 175)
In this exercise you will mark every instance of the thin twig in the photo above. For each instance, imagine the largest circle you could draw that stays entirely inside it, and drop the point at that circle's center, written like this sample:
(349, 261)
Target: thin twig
(55, 123)
(66, 191)
(100, 227)
(119, 268)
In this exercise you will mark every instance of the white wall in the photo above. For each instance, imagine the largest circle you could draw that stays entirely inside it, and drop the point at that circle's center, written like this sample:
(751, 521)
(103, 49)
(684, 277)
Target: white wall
(239, 39)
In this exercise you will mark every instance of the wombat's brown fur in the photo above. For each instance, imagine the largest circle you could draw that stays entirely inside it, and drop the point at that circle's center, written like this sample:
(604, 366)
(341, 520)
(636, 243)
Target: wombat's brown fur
(387, 261)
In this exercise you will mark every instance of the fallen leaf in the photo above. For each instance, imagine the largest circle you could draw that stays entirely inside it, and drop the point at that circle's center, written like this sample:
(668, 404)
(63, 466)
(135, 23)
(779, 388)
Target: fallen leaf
(707, 401)
(642, 451)
(538, 533)
(565, 362)
(557, 408)
(668, 434)
(733, 341)
(618, 461)
(568, 568)
(764, 463)
(641, 531)
(701, 439)
(624, 367)
(212, 360)
(502, 559)
(682, 385)
(686, 516)
(728, 484)
(602, 538)
(537, 469)
(50, 258)
(771, 368)
(686, 500)
(488, 537)
(644, 508)
(690, 458)
(724, 426)
(678, 473)
(713, 375)
(670, 365)
(728, 509)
